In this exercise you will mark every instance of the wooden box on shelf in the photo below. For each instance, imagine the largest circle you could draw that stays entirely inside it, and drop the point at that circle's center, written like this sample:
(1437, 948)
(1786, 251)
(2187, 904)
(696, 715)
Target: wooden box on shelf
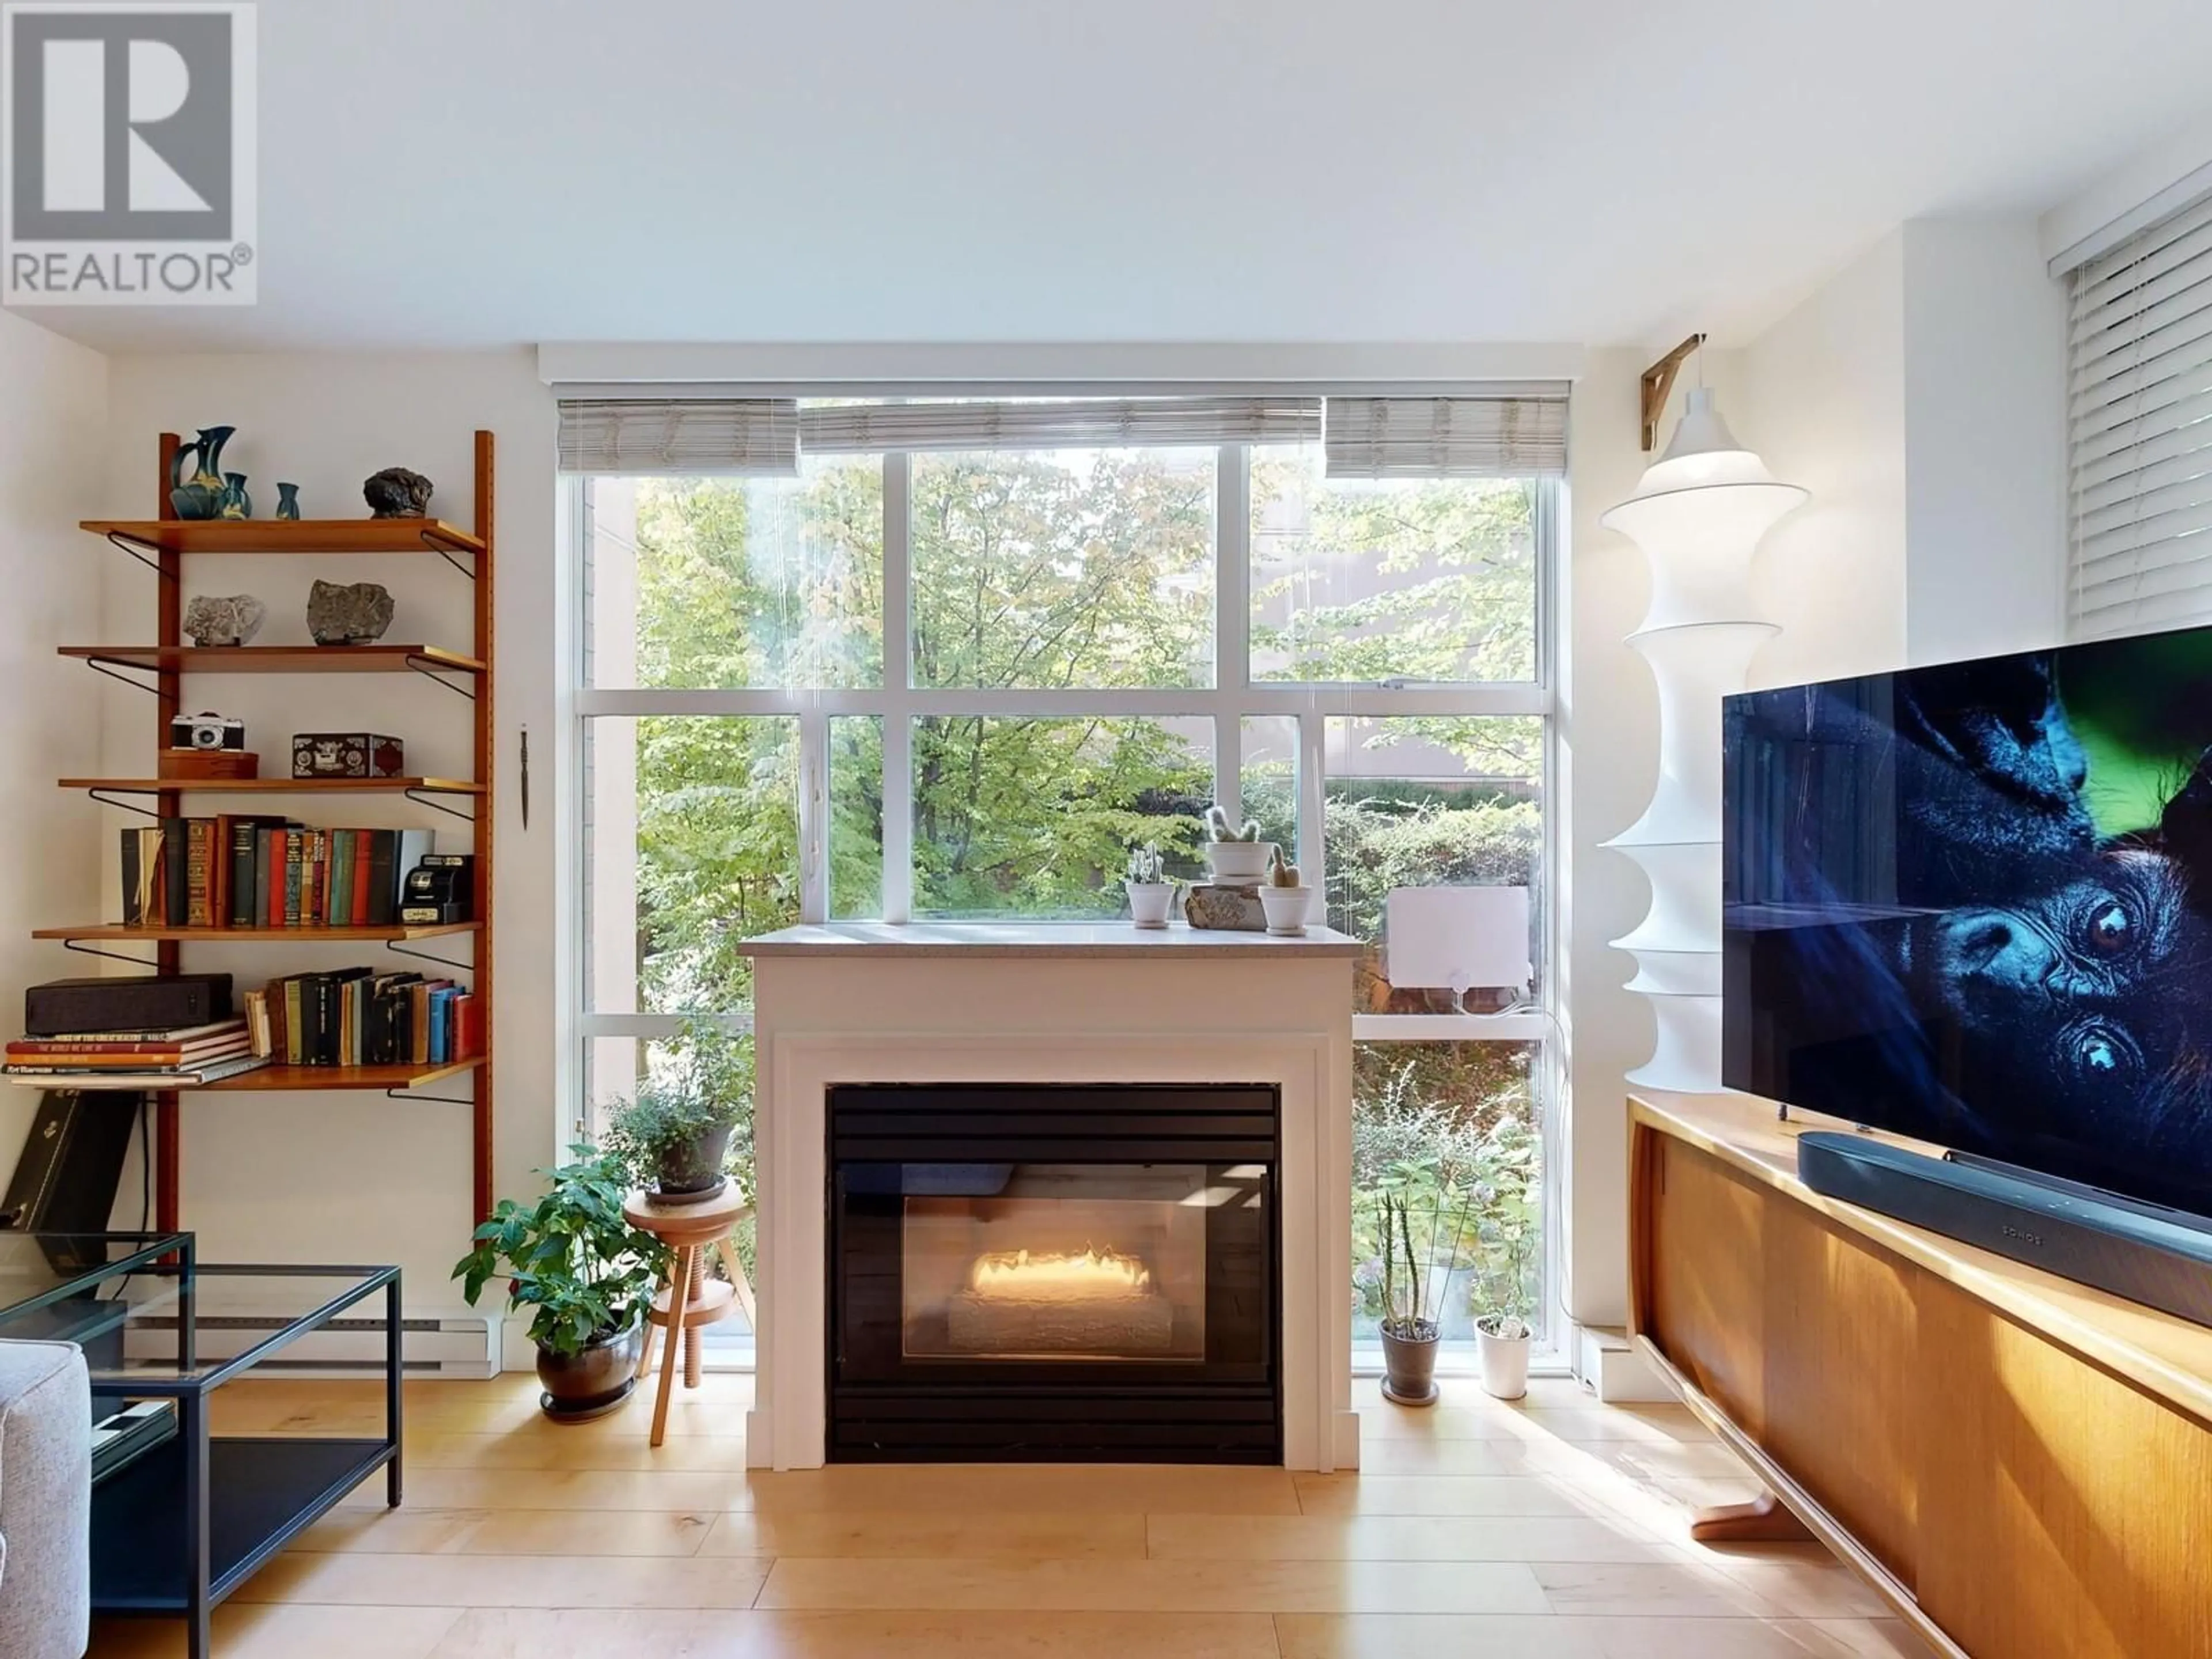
(207, 765)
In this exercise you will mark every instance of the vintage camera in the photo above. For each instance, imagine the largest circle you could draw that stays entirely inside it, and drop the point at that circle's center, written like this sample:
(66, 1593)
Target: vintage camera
(440, 888)
(206, 732)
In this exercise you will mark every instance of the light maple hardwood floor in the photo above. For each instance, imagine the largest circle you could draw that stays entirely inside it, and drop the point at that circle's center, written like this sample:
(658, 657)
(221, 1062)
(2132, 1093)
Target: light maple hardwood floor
(1550, 1529)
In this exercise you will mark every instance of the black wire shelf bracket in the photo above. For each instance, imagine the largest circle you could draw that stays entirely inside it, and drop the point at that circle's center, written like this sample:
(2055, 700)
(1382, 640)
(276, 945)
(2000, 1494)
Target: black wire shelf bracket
(82, 948)
(399, 947)
(138, 549)
(445, 550)
(435, 1100)
(436, 672)
(434, 798)
(115, 798)
(116, 671)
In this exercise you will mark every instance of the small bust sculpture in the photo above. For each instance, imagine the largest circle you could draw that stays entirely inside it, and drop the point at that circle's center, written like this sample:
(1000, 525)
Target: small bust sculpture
(396, 493)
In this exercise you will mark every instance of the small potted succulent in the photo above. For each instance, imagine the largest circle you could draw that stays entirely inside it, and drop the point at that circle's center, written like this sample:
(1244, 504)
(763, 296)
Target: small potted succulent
(1235, 854)
(1151, 894)
(587, 1273)
(1285, 897)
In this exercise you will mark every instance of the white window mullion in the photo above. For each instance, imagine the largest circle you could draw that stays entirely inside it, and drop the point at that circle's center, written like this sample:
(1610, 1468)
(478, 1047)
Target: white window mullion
(898, 720)
(813, 815)
(1313, 797)
(1232, 668)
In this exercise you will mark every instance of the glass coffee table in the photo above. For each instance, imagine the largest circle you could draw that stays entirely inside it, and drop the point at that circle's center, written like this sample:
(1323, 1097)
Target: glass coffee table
(180, 1516)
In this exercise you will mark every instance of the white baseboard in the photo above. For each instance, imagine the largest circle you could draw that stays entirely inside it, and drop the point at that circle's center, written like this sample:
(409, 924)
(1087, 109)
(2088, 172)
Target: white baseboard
(1607, 1363)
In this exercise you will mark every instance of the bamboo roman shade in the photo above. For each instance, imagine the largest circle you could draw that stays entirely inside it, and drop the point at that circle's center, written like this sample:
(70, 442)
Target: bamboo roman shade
(1078, 423)
(680, 436)
(1500, 437)
(2140, 432)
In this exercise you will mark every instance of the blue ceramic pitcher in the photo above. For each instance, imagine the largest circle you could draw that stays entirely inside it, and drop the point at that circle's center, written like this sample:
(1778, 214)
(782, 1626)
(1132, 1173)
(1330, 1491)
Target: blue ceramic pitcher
(202, 495)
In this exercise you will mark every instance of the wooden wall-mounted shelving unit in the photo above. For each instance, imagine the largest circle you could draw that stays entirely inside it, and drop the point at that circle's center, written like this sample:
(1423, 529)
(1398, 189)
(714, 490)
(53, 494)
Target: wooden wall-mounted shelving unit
(163, 544)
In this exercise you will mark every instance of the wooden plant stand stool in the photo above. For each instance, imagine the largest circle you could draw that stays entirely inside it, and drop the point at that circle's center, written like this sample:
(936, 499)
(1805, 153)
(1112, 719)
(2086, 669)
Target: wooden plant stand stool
(690, 1230)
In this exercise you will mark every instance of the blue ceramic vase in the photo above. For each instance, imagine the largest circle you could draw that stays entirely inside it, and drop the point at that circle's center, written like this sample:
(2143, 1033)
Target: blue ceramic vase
(200, 496)
(287, 501)
(236, 503)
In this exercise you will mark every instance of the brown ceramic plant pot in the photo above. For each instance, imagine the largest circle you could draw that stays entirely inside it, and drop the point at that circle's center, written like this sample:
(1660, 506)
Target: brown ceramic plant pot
(1409, 1364)
(581, 1386)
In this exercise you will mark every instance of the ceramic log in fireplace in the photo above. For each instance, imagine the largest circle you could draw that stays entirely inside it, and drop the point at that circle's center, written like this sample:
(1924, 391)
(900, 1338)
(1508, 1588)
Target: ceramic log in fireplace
(1069, 1273)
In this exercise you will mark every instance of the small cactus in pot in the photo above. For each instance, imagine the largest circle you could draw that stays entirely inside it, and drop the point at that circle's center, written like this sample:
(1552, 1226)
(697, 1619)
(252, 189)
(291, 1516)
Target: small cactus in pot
(1235, 853)
(1152, 894)
(1285, 897)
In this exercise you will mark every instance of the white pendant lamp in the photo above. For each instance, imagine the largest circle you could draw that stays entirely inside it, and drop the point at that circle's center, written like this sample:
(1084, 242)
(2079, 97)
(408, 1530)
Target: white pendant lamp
(1698, 516)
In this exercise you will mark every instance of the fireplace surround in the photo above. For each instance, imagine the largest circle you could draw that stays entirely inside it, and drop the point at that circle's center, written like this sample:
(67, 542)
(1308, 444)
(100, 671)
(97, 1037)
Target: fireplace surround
(1060, 1272)
(961, 1004)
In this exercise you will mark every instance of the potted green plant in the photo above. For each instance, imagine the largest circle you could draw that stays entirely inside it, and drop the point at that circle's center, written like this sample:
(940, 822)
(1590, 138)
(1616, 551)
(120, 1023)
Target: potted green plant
(586, 1274)
(1285, 898)
(1508, 1235)
(1151, 894)
(674, 1133)
(1409, 1335)
(1235, 853)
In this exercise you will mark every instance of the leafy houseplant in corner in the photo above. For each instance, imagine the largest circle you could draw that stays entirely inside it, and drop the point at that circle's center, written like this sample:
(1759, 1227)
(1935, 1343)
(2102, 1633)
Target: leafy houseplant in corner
(1151, 894)
(586, 1273)
(1409, 1337)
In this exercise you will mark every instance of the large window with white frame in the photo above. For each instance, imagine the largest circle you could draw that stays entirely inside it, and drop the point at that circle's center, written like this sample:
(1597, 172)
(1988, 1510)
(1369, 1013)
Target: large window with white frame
(937, 657)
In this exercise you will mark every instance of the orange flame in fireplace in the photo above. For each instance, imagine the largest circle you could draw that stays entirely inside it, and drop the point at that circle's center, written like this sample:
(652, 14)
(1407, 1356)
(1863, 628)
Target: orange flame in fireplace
(1057, 1275)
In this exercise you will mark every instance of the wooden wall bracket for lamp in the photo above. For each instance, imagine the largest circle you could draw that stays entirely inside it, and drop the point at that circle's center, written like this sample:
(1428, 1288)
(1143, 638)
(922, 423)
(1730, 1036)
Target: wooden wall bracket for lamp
(1658, 384)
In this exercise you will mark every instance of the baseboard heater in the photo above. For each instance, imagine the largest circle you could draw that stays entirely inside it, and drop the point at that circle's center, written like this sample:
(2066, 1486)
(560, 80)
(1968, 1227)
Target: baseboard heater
(462, 1345)
(2148, 1253)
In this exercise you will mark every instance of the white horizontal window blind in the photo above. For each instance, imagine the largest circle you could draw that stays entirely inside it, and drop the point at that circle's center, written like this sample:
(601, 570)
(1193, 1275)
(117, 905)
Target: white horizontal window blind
(1081, 423)
(679, 436)
(1517, 437)
(2140, 432)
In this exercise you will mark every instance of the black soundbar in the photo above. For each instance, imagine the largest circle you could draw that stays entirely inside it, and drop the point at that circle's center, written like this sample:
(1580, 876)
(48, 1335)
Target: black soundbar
(2162, 1258)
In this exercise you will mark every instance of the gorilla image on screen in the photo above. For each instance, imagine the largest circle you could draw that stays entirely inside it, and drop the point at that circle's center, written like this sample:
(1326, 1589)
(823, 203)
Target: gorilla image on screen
(1973, 904)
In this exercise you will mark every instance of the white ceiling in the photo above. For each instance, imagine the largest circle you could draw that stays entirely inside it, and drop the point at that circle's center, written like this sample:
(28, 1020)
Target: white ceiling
(441, 173)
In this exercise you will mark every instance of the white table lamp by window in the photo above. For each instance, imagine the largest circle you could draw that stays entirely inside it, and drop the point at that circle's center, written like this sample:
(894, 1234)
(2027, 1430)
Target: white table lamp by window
(1456, 937)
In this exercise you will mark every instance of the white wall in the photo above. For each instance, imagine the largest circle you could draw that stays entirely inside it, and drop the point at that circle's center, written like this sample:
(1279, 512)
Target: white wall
(1608, 724)
(355, 1176)
(1823, 401)
(1985, 435)
(53, 399)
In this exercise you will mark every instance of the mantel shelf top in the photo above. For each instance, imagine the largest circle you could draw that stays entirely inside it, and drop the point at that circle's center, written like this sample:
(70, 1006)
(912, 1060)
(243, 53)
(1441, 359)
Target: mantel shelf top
(1040, 940)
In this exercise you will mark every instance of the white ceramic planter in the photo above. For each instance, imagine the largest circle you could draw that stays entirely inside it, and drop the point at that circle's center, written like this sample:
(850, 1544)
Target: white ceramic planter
(1238, 861)
(1504, 1363)
(1150, 902)
(1286, 908)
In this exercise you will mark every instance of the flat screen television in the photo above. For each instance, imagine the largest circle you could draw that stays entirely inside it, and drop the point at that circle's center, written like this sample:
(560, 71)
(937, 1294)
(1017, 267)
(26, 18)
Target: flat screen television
(1973, 903)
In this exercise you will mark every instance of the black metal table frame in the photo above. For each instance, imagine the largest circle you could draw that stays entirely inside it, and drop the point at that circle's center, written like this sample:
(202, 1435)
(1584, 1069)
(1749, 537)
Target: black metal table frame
(204, 1594)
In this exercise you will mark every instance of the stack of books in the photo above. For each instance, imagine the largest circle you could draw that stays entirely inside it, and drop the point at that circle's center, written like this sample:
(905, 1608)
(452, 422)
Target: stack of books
(358, 1016)
(180, 1057)
(243, 871)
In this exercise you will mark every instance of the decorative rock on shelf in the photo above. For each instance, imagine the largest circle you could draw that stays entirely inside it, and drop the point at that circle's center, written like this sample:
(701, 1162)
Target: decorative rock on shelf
(396, 493)
(350, 613)
(232, 621)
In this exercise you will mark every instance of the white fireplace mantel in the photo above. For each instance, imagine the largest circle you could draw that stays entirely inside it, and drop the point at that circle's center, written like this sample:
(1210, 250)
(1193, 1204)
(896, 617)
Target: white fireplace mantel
(863, 1002)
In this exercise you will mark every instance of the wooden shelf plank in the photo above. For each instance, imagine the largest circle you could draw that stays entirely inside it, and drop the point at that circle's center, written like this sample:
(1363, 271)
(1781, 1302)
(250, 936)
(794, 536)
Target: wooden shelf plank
(116, 934)
(308, 1079)
(289, 536)
(275, 786)
(279, 659)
